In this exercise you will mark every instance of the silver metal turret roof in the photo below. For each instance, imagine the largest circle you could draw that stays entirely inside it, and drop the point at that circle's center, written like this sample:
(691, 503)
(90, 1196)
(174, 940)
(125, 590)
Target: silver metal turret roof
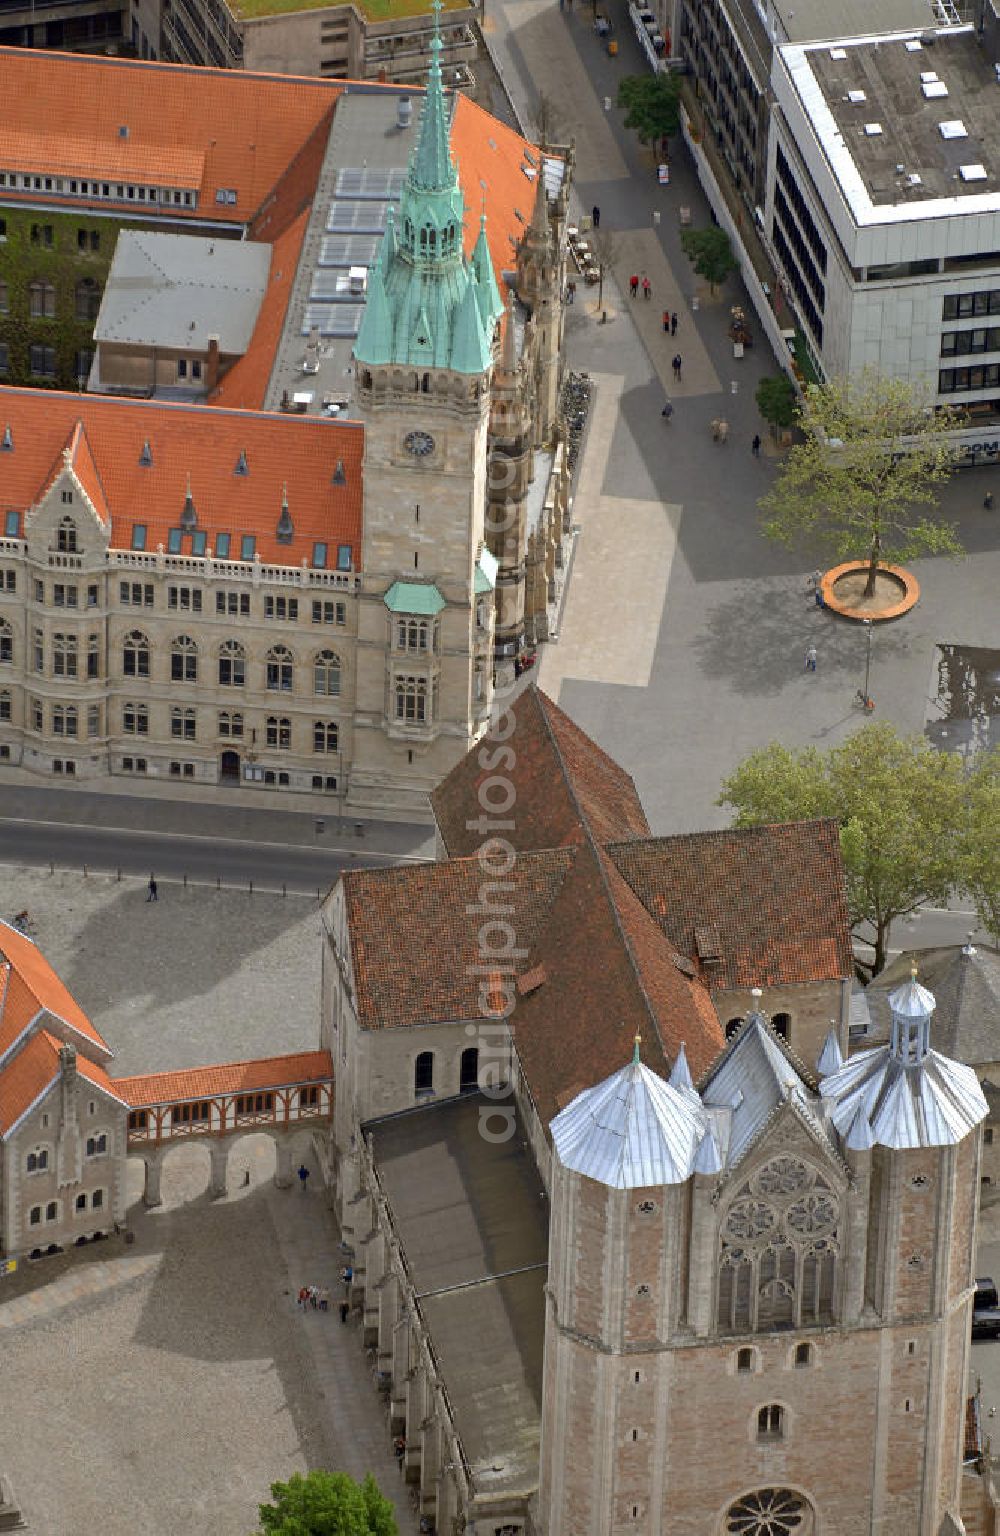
(633, 1131)
(904, 1094)
(831, 1057)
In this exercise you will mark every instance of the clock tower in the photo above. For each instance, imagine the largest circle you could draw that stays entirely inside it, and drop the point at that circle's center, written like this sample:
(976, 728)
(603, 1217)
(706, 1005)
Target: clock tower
(423, 366)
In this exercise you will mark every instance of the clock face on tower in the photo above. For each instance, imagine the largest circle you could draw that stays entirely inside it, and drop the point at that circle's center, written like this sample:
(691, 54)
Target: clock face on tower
(420, 444)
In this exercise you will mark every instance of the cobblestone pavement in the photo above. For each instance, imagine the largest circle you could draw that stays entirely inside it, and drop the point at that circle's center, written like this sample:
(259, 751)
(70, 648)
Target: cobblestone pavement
(162, 1386)
(198, 976)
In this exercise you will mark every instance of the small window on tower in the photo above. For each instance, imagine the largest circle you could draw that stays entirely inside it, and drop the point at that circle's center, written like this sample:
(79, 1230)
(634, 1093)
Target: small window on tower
(744, 1361)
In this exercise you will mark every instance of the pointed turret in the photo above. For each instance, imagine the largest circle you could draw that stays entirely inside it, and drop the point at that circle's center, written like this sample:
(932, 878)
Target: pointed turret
(831, 1057)
(490, 302)
(374, 344)
(680, 1072)
(470, 350)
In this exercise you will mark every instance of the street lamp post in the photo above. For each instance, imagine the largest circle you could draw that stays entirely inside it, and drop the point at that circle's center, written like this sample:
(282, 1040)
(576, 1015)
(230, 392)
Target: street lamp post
(868, 656)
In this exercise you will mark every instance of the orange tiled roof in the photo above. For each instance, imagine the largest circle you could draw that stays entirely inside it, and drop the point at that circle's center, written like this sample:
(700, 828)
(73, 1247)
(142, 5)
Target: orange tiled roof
(487, 151)
(244, 386)
(187, 127)
(35, 1068)
(231, 1077)
(30, 986)
(299, 452)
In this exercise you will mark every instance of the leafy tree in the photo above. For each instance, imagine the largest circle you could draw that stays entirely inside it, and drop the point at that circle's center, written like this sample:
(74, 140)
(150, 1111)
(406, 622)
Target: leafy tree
(711, 253)
(327, 1504)
(874, 452)
(980, 855)
(777, 401)
(900, 805)
(651, 105)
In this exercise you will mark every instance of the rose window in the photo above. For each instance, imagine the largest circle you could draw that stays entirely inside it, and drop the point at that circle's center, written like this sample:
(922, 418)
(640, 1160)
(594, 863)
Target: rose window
(783, 1176)
(748, 1219)
(816, 1212)
(767, 1512)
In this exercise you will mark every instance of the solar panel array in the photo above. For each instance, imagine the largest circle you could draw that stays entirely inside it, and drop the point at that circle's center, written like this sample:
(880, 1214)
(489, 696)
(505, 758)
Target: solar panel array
(354, 226)
(332, 319)
(348, 250)
(378, 184)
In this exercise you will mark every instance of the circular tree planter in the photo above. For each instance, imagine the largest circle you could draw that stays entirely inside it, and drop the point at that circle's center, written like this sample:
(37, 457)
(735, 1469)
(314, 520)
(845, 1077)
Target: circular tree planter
(843, 589)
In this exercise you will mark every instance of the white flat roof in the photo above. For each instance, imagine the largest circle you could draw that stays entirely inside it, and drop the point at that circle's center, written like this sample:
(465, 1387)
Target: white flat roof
(898, 154)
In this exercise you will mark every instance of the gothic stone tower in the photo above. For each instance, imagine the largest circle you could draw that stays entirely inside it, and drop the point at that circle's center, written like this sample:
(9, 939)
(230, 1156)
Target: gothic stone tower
(759, 1294)
(423, 362)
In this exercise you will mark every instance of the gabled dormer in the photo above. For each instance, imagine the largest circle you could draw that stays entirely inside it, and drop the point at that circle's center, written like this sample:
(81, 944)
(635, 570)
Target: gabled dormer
(69, 525)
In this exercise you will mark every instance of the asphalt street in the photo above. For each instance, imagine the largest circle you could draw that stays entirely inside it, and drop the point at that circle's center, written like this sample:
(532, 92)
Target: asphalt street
(214, 861)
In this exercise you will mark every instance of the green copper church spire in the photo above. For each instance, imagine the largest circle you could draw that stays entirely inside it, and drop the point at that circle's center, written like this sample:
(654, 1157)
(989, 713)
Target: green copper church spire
(429, 307)
(432, 167)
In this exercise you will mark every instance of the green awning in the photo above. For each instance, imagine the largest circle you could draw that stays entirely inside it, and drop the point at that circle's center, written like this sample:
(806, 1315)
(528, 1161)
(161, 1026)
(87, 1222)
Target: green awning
(420, 597)
(486, 572)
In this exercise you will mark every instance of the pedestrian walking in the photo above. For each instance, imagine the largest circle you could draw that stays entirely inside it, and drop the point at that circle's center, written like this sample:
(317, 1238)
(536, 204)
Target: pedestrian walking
(633, 284)
(715, 429)
(324, 1299)
(399, 1450)
(673, 323)
(755, 445)
(313, 1297)
(723, 430)
(666, 322)
(814, 580)
(303, 1177)
(676, 365)
(345, 1307)
(647, 287)
(811, 659)
(668, 410)
(303, 1297)
(596, 216)
(151, 894)
(818, 597)
(347, 1275)
(988, 501)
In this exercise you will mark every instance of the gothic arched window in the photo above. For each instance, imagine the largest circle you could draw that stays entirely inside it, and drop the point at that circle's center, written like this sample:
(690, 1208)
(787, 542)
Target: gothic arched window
(279, 669)
(326, 674)
(778, 1250)
(135, 654)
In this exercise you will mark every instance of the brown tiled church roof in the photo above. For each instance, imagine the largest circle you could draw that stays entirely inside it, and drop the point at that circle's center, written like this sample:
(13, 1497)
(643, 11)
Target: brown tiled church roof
(418, 937)
(566, 786)
(773, 899)
(617, 933)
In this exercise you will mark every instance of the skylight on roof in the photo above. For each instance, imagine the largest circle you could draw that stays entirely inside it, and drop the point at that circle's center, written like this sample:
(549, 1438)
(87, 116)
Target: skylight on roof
(914, 178)
(856, 97)
(873, 130)
(838, 53)
(955, 129)
(972, 172)
(927, 75)
(914, 45)
(934, 88)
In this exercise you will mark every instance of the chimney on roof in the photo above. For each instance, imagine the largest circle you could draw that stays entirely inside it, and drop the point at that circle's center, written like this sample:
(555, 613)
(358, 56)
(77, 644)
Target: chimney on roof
(285, 527)
(7, 445)
(242, 467)
(189, 516)
(339, 478)
(212, 366)
(146, 456)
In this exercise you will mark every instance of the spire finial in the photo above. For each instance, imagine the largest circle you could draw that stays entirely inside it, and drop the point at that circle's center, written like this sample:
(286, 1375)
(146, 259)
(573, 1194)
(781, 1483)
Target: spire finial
(635, 1050)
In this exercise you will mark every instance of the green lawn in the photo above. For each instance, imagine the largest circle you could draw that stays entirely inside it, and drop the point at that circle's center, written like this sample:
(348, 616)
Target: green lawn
(375, 10)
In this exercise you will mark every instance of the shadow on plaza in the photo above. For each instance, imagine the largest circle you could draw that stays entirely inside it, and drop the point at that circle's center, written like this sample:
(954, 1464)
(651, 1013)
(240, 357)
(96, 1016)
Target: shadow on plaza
(181, 946)
(757, 638)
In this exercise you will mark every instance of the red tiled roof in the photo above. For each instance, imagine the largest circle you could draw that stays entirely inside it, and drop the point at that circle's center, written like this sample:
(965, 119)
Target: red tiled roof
(35, 1068)
(186, 127)
(245, 385)
(185, 440)
(565, 786)
(776, 896)
(28, 984)
(230, 1077)
(415, 933)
